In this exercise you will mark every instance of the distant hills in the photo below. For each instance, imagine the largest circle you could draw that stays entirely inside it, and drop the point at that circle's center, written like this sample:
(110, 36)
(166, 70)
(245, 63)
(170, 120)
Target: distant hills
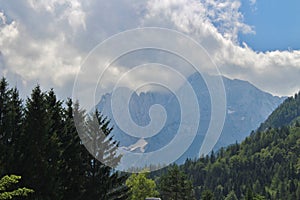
(247, 108)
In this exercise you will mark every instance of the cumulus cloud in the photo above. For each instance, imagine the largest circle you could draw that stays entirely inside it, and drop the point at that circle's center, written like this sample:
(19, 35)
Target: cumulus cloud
(46, 41)
(215, 25)
(204, 16)
(35, 43)
(71, 10)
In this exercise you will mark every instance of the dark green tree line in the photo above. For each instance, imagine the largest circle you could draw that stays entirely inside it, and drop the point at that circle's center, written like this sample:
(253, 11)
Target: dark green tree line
(39, 141)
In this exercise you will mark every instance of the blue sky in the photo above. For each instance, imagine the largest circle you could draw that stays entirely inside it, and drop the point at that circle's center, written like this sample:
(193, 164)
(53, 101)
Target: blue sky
(45, 42)
(276, 23)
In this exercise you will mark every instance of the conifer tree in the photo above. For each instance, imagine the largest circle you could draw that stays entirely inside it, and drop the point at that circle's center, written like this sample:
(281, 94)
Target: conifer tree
(101, 181)
(4, 135)
(54, 114)
(70, 169)
(35, 158)
(175, 185)
(15, 129)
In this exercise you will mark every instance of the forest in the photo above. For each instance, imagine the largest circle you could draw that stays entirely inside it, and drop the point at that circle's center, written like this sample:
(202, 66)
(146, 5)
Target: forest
(43, 157)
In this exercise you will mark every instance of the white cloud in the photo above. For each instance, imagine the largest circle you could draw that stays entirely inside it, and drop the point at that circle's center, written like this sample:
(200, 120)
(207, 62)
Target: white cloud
(216, 24)
(8, 31)
(252, 2)
(46, 41)
(48, 59)
(189, 15)
(70, 10)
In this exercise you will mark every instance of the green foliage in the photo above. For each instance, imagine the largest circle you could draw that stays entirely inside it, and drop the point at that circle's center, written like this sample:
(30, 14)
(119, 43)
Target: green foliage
(258, 197)
(266, 165)
(141, 187)
(231, 196)
(207, 195)
(284, 115)
(174, 185)
(39, 147)
(11, 116)
(249, 195)
(266, 162)
(39, 141)
(7, 182)
(71, 158)
(95, 135)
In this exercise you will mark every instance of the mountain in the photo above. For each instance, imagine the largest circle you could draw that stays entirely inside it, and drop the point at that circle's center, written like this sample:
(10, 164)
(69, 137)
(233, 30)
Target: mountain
(266, 165)
(247, 107)
(285, 114)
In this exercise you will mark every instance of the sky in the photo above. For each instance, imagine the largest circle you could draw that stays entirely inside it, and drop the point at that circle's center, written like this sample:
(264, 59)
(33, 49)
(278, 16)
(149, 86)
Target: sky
(276, 25)
(46, 42)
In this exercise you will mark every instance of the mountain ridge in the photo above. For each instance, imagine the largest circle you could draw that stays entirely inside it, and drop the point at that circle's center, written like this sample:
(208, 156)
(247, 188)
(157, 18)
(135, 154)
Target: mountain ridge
(240, 120)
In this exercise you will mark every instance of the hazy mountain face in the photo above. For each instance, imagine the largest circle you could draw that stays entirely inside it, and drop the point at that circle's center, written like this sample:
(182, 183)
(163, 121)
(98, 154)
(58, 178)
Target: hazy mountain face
(247, 107)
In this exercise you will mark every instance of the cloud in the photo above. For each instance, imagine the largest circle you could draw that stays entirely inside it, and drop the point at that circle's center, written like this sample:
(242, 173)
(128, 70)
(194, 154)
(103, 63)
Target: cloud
(216, 25)
(36, 43)
(46, 41)
(71, 10)
(252, 2)
(189, 15)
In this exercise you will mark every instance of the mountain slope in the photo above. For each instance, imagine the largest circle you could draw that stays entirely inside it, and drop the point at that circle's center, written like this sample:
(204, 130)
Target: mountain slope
(247, 107)
(285, 114)
(267, 163)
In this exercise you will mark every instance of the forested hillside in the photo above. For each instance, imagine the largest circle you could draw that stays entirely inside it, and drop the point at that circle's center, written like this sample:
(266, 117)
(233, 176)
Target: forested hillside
(266, 165)
(285, 114)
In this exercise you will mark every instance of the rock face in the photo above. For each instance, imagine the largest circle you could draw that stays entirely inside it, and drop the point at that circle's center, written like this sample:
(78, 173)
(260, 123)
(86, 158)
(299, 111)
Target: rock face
(247, 107)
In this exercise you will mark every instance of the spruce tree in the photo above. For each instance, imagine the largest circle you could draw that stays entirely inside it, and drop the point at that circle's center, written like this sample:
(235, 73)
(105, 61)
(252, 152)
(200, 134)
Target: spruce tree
(71, 170)
(4, 134)
(15, 129)
(174, 185)
(35, 158)
(101, 181)
(54, 113)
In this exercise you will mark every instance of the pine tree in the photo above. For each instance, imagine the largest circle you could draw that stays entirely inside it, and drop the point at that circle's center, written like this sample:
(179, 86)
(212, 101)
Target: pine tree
(70, 169)
(15, 129)
(101, 181)
(4, 98)
(4, 134)
(54, 113)
(175, 185)
(35, 158)
(11, 115)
